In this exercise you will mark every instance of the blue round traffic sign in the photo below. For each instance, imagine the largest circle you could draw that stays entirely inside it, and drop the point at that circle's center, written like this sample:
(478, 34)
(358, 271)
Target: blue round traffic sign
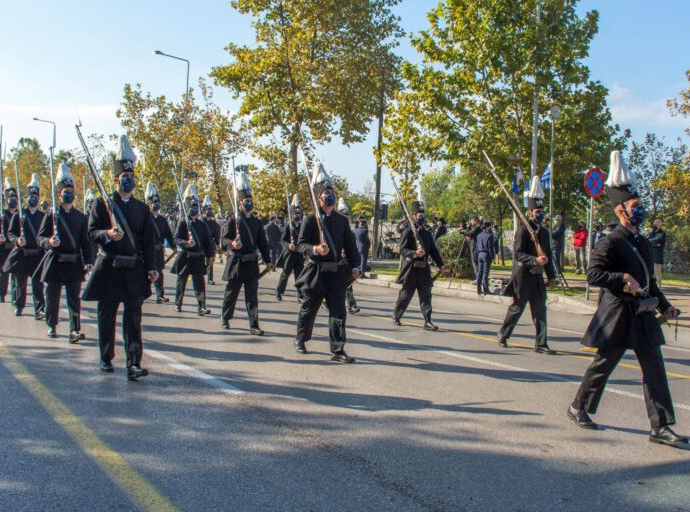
(594, 182)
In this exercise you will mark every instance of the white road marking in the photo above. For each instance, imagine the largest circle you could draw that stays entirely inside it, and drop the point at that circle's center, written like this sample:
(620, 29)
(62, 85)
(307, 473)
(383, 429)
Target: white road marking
(548, 376)
(196, 373)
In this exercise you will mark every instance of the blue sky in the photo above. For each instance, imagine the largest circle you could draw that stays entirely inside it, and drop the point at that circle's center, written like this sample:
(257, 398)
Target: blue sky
(58, 56)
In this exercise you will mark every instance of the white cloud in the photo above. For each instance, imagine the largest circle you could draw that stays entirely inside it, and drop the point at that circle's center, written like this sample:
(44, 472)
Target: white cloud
(630, 111)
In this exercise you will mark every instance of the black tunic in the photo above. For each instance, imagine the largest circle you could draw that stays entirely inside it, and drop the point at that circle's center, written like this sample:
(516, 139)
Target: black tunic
(19, 261)
(288, 259)
(408, 247)
(522, 282)
(163, 233)
(7, 246)
(214, 229)
(614, 324)
(118, 284)
(234, 268)
(193, 261)
(50, 270)
(343, 243)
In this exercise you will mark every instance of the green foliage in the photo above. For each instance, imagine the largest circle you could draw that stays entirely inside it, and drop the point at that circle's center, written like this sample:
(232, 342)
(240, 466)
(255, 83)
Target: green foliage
(482, 64)
(457, 263)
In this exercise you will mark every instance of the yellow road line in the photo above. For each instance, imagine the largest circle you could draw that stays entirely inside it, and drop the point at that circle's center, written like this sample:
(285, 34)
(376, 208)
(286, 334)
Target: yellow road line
(141, 492)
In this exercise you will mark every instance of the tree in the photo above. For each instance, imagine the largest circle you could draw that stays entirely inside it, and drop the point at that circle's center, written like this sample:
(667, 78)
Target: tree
(30, 159)
(681, 106)
(311, 68)
(482, 65)
(649, 161)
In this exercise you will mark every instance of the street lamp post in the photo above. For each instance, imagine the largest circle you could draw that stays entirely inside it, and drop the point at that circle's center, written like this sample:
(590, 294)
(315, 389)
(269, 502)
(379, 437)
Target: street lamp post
(554, 113)
(52, 151)
(186, 98)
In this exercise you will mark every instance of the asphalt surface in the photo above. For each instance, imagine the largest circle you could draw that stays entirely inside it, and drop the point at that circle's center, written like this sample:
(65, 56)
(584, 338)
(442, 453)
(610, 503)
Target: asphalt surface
(423, 421)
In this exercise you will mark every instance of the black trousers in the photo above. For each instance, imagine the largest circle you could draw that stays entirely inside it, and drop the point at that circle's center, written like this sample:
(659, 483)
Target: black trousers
(275, 251)
(131, 329)
(335, 301)
(412, 284)
(8, 280)
(484, 267)
(199, 289)
(537, 306)
(209, 273)
(657, 395)
(351, 301)
(72, 291)
(36, 292)
(251, 299)
(284, 276)
(159, 285)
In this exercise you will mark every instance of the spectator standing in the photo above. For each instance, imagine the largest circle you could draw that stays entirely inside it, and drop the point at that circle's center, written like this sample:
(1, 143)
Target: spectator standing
(485, 255)
(580, 242)
(598, 234)
(473, 231)
(274, 235)
(363, 243)
(558, 242)
(441, 229)
(658, 240)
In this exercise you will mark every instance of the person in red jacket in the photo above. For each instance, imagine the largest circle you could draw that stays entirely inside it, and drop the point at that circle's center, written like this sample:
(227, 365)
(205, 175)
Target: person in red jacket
(580, 242)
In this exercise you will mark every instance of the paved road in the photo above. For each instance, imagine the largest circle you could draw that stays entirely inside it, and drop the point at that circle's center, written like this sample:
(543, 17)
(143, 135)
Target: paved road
(423, 421)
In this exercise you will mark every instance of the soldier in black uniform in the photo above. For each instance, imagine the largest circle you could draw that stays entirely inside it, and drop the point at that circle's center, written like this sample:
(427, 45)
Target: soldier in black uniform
(6, 246)
(351, 300)
(622, 266)
(27, 252)
(126, 264)
(196, 255)
(161, 227)
(214, 229)
(291, 260)
(415, 274)
(68, 257)
(526, 283)
(242, 267)
(325, 273)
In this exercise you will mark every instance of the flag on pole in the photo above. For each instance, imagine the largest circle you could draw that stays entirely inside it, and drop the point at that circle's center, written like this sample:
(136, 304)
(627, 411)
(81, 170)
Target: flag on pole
(546, 178)
(517, 179)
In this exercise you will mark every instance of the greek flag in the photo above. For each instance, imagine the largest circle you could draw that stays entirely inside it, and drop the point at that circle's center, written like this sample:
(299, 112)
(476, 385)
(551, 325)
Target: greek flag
(546, 178)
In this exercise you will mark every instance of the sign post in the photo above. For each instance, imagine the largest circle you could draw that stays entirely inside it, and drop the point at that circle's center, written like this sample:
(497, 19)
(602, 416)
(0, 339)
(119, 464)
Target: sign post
(594, 186)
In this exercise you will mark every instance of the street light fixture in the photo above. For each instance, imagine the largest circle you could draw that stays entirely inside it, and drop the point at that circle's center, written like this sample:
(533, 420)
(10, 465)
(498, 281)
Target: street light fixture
(554, 114)
(186, 95)
(52, 169)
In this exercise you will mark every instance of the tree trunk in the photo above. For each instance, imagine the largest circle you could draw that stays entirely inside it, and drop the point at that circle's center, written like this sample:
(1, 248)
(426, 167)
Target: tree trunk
(377, 197)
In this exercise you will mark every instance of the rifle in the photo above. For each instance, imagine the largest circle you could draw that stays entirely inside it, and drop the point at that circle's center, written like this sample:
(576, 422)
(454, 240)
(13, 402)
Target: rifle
(518, 212)
(314, 203)
(107, 199)
(406, 214)
(288, 222)
(183, 209)
(233, 199)
(19, 198)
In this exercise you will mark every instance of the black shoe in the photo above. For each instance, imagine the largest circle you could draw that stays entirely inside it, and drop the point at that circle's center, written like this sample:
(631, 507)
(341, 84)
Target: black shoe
(177, 308)
(40, 315)
(396, 321)
(75, 336)
(544, 349)
(162, 299)
(430, 326)
(300, 300)
(581, 418)
(664, 435)
(353, 310)
(300, 347)
(159, 301)
(52, 333)
(17, 312)
(502, 342)
(134, 372)
(203, 312)
(107, 367)
(225, 325)
(342, 357)
(279, 297)
(256, 331)
(211, 282)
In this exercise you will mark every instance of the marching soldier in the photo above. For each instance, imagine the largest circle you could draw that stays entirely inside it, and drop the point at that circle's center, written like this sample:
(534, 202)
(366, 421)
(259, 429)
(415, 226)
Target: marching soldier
(27, 252)
(526, 282)
(325, 273)
(126, 264)
(68, 256)
(6, 246)
(622, 266)
(214, 229)
(163, 234)
(242, 267)
(196, 255)
(291, 260)
(415, 273)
